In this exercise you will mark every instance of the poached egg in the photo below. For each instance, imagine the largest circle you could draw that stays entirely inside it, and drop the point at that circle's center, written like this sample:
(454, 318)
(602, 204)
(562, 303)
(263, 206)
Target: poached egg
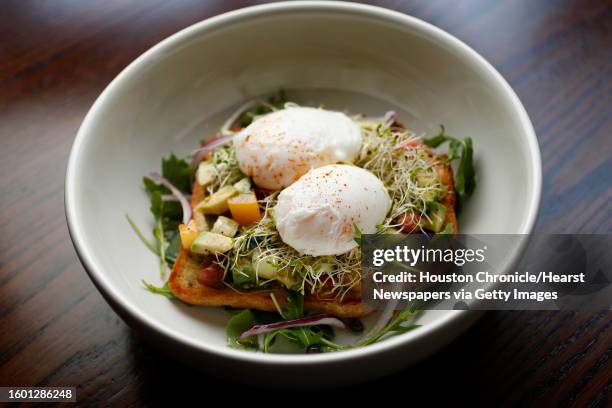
(278, 148)
(317, 214)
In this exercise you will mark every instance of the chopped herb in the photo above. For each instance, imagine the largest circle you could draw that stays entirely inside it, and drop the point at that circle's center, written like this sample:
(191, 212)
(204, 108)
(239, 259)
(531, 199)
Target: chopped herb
(357, 234)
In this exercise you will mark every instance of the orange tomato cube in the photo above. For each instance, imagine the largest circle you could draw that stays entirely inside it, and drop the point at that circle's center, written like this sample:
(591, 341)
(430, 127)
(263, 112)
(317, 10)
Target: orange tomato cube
(188, 234)
(244, 208)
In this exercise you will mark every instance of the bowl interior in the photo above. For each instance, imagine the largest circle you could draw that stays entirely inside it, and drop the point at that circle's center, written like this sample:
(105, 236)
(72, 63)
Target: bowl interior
(359, 61)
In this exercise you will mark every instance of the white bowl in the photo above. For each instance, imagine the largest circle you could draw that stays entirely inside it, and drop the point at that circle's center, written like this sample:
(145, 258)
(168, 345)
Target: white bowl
(347, 56)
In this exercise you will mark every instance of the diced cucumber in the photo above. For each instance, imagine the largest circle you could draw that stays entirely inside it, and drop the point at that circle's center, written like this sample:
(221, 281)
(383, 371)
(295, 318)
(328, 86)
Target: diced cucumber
(225, 226)
(216, 203)
(208, 242)
(201, 221)
(243, 186)
(266, 268)
(206, 173)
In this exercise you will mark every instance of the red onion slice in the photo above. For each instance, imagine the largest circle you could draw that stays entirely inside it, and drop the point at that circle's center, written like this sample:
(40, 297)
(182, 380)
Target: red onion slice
(304, 321)
(170, 197)
(177, 193)
(389, 118)
(210, 145)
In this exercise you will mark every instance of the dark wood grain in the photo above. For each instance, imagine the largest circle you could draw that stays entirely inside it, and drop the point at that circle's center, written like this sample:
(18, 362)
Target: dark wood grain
(55, 328)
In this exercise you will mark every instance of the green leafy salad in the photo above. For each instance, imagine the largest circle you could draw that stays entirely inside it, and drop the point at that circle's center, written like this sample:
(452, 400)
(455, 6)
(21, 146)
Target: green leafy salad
(265, 220)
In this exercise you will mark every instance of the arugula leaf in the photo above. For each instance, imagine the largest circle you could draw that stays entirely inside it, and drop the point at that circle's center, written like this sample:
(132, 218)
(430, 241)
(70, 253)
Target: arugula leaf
(171, 253)
(173, 239)
(454, 149)
(306, 338)
(140, 235)
(164, 290)
(395, 326)
(237, 325)
(274, 102)
(465, 180)
(295, 306)
(315, 336)
(178, 173)
(303, 337)
(168, 214)
(436, 140)
(294, 309)
(465, 176)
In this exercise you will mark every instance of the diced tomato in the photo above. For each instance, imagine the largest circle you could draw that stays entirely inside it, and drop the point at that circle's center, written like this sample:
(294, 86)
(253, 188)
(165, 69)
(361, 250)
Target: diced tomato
(211, 275)
(244, 208)
(188, 234)
(411, 223)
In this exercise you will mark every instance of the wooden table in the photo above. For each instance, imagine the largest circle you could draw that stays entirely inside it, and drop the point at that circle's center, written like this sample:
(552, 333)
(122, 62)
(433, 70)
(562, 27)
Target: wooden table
(55, 328)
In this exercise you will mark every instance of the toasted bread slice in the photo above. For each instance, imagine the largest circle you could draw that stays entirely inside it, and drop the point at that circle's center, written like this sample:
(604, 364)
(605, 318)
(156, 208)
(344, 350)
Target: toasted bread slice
(185, 285)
